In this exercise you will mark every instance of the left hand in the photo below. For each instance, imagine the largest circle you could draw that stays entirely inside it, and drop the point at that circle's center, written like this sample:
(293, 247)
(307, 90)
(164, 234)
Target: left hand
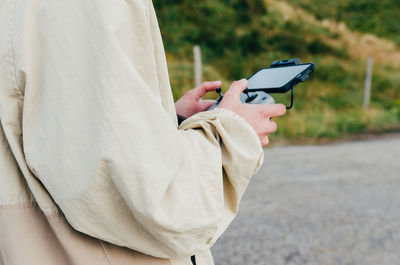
(191, 103)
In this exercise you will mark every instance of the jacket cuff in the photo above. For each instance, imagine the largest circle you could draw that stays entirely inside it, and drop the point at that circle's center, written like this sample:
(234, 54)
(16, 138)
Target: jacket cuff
(236, 136)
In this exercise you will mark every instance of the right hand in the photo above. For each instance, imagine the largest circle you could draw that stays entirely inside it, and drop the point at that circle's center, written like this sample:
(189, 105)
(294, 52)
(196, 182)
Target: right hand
(258, 116)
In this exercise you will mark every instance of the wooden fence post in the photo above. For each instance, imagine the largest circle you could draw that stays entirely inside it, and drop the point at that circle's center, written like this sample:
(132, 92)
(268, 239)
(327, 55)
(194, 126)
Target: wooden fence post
(197, 65)
(368, 79)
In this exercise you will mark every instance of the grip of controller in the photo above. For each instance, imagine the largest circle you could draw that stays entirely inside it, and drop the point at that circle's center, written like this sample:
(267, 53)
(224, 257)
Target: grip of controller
(258, 97)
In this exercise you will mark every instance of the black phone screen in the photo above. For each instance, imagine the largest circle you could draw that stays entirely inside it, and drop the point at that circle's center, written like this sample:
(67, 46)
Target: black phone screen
(275, 77)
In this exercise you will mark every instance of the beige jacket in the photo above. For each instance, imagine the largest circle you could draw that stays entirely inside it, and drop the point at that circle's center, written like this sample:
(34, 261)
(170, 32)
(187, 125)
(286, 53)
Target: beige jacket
(93, 167)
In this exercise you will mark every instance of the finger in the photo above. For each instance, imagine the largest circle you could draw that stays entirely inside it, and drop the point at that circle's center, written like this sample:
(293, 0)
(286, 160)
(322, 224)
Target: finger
(211, 85)
(206, 104)
(272, 127)
(265, 141)
(273, 110)
(203, 88)
(268, 128)
(237, 88)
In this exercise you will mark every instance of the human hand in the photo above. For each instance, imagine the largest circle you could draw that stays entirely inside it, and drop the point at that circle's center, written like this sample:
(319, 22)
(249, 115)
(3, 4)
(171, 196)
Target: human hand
(191, 103)
(258, 116)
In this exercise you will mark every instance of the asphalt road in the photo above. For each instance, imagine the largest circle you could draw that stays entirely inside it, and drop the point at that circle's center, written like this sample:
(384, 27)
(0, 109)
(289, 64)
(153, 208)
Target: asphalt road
(328, 204)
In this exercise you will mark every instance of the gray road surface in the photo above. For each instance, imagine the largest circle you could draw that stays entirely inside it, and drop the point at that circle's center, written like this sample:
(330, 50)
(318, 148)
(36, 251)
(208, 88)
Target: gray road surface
(330, 204)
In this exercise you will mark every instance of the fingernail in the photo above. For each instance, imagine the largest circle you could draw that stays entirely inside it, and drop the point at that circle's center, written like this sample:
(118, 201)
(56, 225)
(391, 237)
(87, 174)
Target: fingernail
(243, 81)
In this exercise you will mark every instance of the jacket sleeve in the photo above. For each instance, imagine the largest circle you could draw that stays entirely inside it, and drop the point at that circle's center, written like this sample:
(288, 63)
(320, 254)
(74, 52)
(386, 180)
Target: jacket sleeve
(98, 131)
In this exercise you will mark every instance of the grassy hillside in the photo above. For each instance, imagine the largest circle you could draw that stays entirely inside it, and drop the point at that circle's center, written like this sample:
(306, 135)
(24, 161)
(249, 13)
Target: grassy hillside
(238, 37)
(381, 18)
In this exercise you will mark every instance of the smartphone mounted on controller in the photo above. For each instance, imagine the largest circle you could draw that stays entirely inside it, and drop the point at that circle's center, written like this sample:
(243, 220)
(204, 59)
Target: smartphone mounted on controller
(280, 77)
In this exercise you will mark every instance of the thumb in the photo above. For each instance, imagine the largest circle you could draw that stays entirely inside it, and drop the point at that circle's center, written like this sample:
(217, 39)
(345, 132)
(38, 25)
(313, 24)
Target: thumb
(237, 87)
(203, 88)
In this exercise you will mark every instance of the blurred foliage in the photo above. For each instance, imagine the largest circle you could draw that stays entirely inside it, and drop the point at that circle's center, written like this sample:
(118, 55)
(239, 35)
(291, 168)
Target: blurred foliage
(238, 37)
(381, 18)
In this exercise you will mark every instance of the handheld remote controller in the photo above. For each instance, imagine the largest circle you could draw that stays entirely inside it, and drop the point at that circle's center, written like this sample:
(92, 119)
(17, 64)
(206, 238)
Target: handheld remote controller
(282, 76)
